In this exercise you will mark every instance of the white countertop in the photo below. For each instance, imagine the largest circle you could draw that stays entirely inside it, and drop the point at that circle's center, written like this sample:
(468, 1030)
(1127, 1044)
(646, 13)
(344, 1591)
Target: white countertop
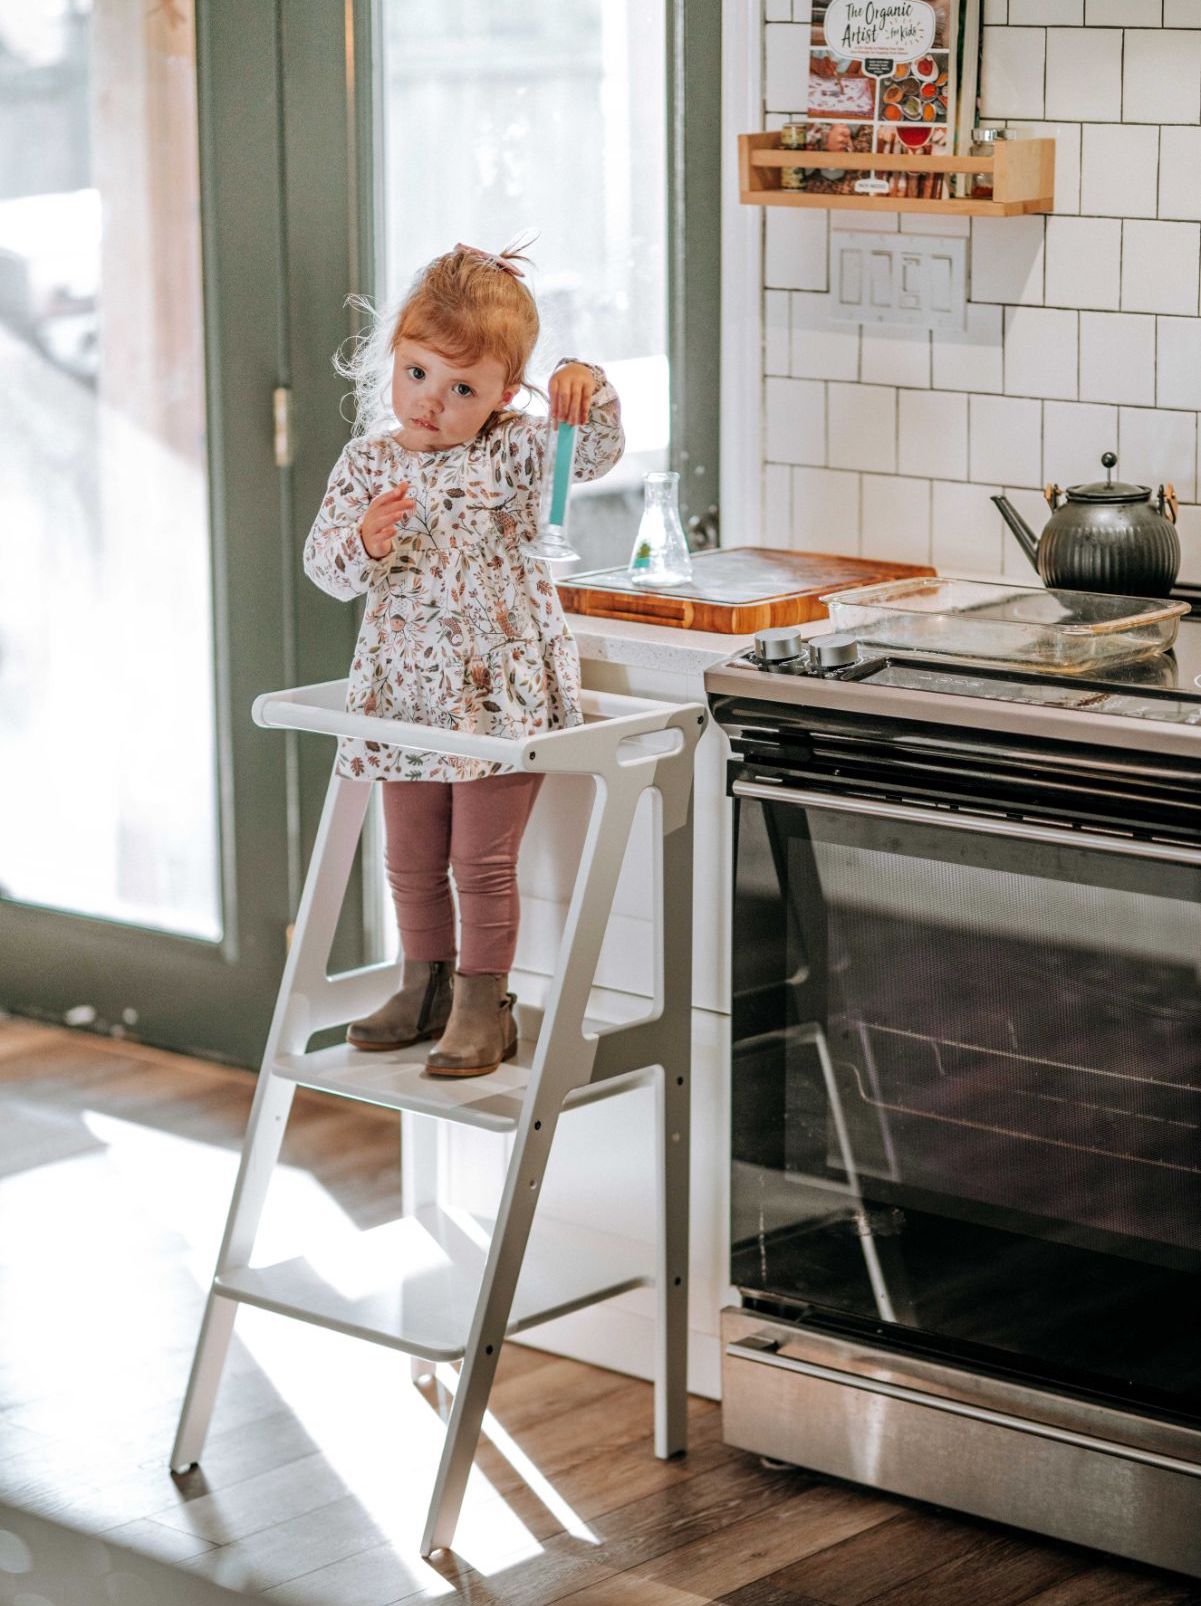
(663, 647)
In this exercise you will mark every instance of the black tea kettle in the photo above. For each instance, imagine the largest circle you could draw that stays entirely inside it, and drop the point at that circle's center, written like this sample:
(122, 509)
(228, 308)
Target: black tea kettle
(1104, 537)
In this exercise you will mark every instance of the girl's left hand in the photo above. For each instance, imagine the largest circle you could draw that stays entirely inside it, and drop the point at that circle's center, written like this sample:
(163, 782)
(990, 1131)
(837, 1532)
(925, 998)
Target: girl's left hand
(571, 390)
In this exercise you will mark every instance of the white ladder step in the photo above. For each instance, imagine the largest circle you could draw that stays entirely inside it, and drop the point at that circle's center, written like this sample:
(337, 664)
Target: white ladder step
(440, 1254)
(397, 1080)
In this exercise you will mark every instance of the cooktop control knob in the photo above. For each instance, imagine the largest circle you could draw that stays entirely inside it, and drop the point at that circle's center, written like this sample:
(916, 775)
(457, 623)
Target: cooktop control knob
(779, 645)
(836, 652)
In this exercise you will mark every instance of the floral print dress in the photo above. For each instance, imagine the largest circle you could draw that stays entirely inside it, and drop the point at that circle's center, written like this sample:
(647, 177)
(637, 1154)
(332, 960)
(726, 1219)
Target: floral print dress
(461, 630)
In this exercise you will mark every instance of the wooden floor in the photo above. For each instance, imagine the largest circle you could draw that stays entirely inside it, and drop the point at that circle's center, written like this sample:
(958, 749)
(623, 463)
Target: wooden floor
(115, 1171)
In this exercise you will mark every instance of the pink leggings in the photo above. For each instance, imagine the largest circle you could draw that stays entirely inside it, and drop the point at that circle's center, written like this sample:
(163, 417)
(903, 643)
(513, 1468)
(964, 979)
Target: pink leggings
(474, 828)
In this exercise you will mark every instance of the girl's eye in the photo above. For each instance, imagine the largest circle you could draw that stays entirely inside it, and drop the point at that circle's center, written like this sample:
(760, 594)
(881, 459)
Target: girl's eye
(414, 372)
(463, 389)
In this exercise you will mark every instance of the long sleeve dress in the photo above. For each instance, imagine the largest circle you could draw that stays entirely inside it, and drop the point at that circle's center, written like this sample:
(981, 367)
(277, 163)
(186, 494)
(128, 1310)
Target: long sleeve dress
(461, 630)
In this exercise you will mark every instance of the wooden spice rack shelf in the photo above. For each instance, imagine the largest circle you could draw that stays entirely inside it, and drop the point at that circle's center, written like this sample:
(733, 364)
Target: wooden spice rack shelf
(1023, 174)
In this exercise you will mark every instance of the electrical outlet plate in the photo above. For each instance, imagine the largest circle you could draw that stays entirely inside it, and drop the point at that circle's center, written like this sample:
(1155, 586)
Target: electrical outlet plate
(916, 280)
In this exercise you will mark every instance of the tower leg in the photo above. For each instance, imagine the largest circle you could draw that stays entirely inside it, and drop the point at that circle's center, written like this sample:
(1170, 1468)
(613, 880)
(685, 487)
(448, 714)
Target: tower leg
(304, 975)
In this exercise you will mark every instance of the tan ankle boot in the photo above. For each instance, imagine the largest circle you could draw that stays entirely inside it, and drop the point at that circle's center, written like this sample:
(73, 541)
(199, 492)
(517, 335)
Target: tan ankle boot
(419, 1010)
(481, 1031)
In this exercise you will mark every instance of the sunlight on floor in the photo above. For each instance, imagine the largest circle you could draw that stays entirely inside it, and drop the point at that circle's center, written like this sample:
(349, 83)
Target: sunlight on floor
(378, 1433)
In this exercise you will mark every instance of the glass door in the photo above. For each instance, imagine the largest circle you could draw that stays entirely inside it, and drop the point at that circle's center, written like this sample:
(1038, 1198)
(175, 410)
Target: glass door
(565, 121)
(149, 836)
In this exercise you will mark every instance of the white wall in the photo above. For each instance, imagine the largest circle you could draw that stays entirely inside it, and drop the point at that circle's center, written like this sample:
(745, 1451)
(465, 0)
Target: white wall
(1083, 329)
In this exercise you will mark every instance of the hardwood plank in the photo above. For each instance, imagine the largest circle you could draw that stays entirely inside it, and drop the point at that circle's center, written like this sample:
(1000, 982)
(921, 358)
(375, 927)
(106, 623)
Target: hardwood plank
(914, 1542)
(1121, 1584)
(638, 1535)
(723, 1560)
(1003, 1569)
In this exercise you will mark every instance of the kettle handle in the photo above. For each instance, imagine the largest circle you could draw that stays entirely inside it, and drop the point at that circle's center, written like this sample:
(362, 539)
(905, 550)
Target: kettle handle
(1052, 494)
(1169, 502)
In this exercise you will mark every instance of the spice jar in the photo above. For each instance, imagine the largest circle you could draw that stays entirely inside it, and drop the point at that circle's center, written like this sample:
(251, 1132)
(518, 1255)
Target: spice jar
(792, 138)
(984, 143)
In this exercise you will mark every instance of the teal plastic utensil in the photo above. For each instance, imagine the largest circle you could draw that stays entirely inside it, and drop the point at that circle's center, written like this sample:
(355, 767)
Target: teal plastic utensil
(551, 544)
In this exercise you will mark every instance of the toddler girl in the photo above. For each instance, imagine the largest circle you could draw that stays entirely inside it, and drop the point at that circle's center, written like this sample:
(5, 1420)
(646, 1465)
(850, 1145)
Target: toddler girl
(461, 630)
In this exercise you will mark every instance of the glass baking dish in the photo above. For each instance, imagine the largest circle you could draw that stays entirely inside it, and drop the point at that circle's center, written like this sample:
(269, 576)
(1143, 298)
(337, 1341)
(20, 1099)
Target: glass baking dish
(1066, 632)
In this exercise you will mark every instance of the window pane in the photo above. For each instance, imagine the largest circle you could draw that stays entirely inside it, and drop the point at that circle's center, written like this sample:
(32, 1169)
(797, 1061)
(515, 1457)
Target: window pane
(106, 705)
(546, 117)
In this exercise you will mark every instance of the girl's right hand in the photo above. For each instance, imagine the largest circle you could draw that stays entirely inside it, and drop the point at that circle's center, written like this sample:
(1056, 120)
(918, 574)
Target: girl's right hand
(377, 529)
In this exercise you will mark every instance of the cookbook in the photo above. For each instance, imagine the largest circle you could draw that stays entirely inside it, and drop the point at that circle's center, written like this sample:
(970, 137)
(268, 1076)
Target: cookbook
(897, 76)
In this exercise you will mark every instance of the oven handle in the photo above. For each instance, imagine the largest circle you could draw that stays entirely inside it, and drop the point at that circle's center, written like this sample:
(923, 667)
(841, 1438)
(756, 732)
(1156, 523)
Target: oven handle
(978, 824)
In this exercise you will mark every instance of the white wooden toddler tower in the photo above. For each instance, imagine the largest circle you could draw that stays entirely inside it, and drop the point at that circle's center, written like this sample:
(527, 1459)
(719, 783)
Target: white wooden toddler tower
(464, 1309)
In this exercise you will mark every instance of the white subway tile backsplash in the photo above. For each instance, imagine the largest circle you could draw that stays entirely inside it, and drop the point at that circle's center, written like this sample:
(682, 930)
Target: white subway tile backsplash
(1082, 335)
(775, 332)
(825, 511)
(1084, 75)
(1040, 352)
(971, 359)
(1074, 436)
(1159, 267)
(795, 421)
(1180, 172)
(1178, 362)
(1047, 13)
(1188, 528)
(1156, 447)
(1007, 260)
(1067, 158)
(1084, 260)
(786, 67)
(895, 355)
(965, 529)
(1006, 440)
(863, 427)
(896, 518)
(1119, 171)
(821, 349)
(795, 248)
(1122, 13)
(1161, 76)
(1012, 72)
(1117, 358)
(931, 223)
(777, 504)
(932, 433)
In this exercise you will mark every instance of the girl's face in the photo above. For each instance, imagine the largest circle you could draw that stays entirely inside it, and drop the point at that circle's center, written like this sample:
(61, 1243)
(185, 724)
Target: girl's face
(440, 402)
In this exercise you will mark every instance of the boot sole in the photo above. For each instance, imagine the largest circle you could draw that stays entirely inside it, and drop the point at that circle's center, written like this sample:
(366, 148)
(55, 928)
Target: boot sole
(470, 1070)
(385, 1048)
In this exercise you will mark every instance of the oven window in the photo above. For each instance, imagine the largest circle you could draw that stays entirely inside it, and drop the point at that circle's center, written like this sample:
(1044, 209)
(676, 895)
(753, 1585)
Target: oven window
(967, 1075)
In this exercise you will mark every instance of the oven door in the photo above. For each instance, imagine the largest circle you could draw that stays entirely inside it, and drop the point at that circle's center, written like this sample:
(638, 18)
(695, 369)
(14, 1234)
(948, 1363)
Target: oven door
(966, 1085)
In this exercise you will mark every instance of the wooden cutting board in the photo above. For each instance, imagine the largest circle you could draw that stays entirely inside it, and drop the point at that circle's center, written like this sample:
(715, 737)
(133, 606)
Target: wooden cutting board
(736, 592)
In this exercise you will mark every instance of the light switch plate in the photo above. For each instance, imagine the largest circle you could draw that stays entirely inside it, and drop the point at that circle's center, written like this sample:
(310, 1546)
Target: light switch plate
(919, 280)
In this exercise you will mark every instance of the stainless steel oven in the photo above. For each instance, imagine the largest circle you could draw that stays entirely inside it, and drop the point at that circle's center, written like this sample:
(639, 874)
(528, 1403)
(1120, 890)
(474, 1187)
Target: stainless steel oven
(966, 1092)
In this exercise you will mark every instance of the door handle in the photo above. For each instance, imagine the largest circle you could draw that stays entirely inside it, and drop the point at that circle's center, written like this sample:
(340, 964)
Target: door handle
(978, 824)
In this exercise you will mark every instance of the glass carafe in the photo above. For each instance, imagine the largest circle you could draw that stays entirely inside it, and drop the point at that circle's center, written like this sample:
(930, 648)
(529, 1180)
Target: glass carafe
(660, 556)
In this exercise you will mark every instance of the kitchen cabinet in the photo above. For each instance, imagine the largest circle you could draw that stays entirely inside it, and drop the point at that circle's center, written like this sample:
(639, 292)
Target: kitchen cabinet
(603, 1166)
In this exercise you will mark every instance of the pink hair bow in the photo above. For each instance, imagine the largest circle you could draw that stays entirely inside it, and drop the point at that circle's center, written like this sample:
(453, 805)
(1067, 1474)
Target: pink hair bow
(494, 261)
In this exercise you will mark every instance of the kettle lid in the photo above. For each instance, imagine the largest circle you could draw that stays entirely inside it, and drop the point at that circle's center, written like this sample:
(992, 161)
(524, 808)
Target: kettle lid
(1109, 489)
